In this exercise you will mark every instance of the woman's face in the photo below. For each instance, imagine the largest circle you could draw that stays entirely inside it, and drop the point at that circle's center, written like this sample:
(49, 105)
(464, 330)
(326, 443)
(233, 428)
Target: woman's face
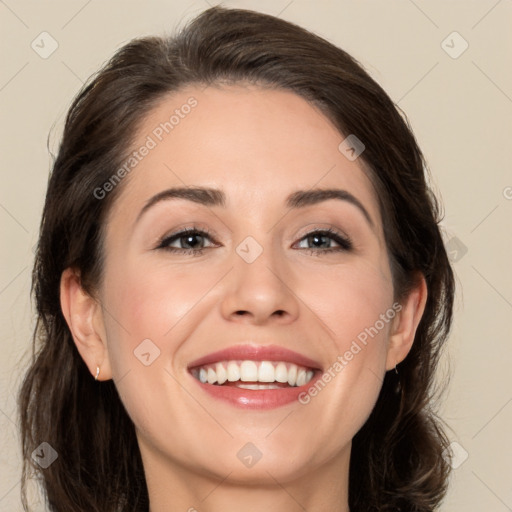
(264, 276)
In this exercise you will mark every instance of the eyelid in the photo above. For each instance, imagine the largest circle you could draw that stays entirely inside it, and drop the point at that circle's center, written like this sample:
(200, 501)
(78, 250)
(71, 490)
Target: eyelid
(326, 227)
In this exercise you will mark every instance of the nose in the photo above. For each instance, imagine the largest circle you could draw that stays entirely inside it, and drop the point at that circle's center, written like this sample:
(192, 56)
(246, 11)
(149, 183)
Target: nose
(260, 291)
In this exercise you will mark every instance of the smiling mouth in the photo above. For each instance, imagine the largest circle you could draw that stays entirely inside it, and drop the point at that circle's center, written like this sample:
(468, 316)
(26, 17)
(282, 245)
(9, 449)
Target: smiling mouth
(255, 375)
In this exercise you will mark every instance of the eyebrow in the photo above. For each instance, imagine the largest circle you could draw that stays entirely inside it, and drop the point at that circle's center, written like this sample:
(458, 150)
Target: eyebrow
(214, 197)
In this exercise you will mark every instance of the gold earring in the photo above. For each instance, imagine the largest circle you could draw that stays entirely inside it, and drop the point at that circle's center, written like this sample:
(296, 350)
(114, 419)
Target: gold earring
(97, 373)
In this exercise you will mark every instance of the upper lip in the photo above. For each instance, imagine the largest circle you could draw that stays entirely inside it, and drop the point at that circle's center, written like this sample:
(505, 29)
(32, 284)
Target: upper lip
(251, 352)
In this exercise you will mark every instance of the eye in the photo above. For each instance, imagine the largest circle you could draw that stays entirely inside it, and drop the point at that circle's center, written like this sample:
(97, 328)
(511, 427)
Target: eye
(190, 237)
(192, 241)
(321, 238)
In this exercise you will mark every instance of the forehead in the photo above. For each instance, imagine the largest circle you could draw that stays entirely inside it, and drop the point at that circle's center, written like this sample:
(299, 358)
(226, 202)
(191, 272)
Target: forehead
(257, 144)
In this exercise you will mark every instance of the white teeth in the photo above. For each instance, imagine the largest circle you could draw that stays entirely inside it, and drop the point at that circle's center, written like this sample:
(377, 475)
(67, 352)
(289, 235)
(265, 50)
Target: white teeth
(212, 376)
(292, 375)
(233, 372)
(222, 375)
(281, 373)
(266, 372)
(253, 372)
(258, 386)
(248, 371)
(301, 378)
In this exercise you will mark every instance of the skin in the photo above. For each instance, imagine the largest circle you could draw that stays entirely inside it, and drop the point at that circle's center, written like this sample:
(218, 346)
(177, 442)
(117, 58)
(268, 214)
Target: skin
(258, 146)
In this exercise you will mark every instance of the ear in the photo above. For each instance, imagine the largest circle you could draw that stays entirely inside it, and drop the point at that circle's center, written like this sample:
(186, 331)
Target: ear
(84, 317)
(406, 322)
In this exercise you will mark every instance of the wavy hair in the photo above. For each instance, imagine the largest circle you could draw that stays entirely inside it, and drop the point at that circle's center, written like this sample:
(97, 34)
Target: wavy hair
(397, 461)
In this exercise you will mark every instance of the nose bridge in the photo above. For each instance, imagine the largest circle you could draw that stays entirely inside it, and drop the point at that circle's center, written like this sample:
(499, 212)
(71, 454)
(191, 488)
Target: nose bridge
(259, 286)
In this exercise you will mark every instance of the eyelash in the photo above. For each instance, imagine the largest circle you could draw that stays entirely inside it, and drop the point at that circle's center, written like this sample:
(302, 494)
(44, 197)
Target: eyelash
(344, 241)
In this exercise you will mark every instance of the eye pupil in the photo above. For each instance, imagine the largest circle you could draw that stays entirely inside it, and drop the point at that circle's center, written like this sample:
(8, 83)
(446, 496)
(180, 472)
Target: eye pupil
(315, 239)
(188, 238)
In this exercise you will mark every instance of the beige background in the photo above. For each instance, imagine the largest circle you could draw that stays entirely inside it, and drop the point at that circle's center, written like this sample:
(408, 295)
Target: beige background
(460, 109)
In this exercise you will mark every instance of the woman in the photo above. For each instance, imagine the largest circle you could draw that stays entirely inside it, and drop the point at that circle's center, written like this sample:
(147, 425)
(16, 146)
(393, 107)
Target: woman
(199, 347)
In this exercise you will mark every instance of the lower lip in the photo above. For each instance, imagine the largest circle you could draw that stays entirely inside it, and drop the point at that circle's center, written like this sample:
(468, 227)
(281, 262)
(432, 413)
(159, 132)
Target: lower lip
(257, 398)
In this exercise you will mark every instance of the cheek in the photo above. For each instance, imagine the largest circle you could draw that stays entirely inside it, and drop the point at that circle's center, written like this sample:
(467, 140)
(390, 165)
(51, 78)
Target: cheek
(352, 300)
(356, 306)
(154, 304)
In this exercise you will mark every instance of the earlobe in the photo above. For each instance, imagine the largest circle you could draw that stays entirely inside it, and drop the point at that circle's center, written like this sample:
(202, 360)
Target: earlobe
(85, 321)
(406, 323)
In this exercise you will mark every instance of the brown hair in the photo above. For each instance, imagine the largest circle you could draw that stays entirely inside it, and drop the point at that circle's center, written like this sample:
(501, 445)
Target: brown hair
(397, 461)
